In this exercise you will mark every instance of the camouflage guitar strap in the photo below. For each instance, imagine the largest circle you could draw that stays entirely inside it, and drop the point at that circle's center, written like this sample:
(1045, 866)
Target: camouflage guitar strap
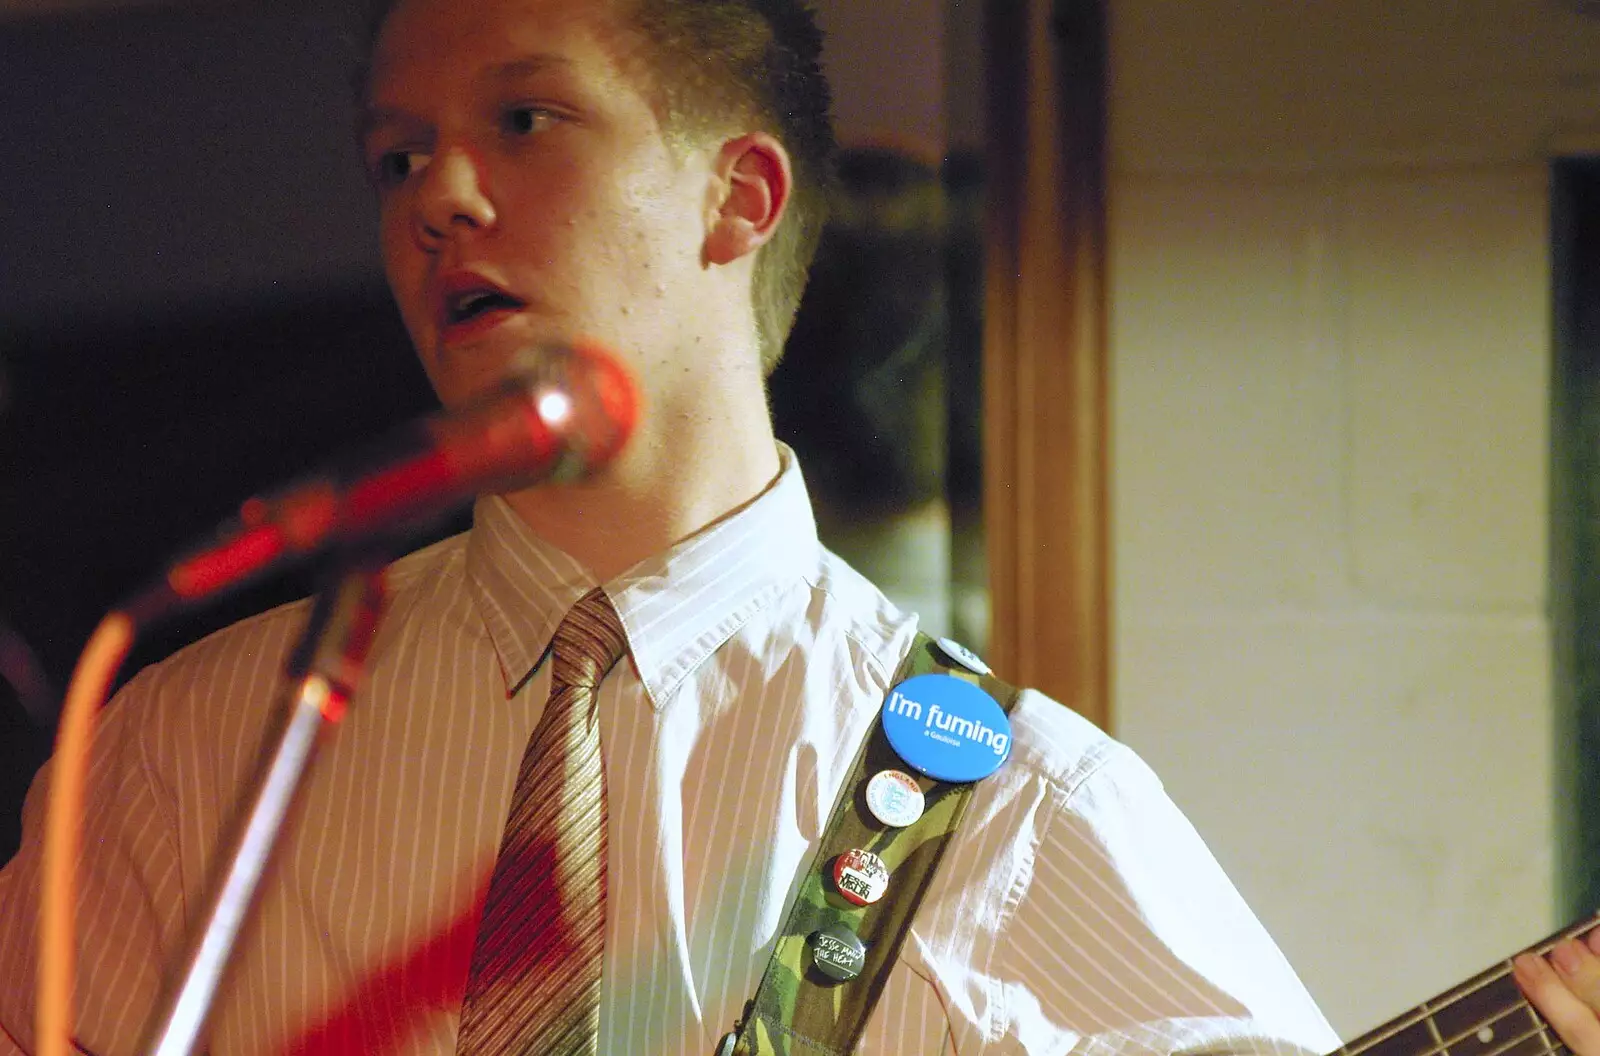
(798, 1011)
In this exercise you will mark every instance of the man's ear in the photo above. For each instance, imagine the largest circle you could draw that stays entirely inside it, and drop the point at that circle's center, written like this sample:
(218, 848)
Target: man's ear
(750, 191)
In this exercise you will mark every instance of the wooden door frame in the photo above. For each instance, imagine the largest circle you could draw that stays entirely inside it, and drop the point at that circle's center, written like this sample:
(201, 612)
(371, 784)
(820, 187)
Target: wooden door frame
(1046, 364)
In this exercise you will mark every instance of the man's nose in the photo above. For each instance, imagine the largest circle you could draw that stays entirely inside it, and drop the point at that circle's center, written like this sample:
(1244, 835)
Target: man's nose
(453, 199)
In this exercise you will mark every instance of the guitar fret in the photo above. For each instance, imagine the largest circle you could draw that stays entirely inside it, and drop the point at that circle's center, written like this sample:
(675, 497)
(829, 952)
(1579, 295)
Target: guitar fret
(1521, 1047)
(1516, 1022)
(1544, 1031)
(1433, 1027)
(1470, 1009)
(1413, 1039)
(1378, 1036)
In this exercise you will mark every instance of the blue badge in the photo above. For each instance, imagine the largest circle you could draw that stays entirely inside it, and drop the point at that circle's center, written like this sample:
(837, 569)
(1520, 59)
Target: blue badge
(947, 728)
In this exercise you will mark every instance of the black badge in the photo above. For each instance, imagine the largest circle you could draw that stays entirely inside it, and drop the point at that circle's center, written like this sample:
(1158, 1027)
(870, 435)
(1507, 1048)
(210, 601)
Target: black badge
(838, 953)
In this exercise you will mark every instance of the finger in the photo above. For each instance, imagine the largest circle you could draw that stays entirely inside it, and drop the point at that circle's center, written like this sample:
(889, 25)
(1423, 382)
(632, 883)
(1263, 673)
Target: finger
(1575, 1021)
(1594, 941)
(1579, 968)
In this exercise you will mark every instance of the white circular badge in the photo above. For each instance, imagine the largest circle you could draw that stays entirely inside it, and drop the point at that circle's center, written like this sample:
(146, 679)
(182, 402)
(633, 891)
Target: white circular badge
(894, 798)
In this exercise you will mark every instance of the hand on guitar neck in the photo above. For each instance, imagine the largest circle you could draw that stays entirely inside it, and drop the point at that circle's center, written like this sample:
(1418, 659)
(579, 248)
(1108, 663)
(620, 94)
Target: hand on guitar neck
(1564, 986)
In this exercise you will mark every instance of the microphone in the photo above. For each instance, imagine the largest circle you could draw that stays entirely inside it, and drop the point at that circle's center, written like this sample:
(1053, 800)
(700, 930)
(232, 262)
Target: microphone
(564, 413)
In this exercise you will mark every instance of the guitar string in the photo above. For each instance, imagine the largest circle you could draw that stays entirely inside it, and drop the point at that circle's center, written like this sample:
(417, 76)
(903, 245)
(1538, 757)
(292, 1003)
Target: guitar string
(1556, 1049)
(1471, 987)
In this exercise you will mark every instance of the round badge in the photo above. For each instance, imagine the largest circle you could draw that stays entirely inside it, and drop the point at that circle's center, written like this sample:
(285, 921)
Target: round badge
(860, 876)
(960, 654)
(894, 798)
(838, 953)
(947, 728)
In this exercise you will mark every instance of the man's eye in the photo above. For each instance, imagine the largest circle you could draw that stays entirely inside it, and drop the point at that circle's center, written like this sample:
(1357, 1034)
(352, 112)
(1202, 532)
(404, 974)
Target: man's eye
(394, 167)
(525, 120)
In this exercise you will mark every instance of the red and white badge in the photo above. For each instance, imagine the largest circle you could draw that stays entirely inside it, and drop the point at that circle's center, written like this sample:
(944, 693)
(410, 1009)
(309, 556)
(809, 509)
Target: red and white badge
(860, 876)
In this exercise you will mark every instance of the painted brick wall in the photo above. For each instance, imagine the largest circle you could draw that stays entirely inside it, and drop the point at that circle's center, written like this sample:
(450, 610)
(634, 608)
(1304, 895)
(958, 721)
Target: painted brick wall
(1331, 343)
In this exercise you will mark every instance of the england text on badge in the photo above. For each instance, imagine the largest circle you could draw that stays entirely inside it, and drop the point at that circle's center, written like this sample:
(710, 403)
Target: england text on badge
(860, 876)
(894, 798)
(947, 728)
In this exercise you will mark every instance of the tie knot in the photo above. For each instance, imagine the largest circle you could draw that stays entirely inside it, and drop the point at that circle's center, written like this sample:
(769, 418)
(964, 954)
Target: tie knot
(588, 643)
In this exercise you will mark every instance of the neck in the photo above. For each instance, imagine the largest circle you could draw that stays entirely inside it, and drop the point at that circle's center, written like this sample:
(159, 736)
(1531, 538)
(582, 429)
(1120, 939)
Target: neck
(663, 490)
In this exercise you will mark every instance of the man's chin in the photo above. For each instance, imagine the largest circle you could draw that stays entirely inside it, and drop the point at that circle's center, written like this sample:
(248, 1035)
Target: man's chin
(463, 372)
(457, 387)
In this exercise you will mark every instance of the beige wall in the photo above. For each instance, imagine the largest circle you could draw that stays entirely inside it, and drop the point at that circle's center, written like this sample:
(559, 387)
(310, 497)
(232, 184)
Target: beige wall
(1331, 347)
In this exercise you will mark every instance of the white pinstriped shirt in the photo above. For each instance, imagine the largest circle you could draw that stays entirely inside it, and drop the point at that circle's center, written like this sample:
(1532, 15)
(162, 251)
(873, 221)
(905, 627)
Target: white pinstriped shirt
(1076, 911)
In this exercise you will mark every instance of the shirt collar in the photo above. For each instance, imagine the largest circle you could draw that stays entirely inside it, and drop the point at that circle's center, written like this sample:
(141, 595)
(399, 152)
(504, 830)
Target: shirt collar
(676, 607)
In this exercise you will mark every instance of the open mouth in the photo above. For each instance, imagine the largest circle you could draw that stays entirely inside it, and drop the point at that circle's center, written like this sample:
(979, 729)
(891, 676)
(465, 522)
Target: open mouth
(472, 304)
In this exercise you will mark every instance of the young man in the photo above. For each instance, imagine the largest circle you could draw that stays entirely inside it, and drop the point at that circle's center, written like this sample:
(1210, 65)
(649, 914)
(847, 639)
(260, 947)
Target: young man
(552, 168)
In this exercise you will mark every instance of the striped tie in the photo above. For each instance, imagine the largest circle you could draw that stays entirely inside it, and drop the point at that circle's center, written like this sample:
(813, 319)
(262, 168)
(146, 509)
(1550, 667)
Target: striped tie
(534, 985)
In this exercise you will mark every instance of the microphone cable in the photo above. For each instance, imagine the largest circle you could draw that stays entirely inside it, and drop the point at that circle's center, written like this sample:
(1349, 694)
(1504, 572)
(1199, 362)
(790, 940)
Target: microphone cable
(91, 683)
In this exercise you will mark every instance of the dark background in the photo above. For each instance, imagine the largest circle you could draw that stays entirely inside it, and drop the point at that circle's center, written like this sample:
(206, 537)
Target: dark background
(191, 309)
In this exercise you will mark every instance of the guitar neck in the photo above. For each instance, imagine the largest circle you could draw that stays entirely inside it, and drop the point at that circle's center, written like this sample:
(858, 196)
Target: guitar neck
(1484, 1016)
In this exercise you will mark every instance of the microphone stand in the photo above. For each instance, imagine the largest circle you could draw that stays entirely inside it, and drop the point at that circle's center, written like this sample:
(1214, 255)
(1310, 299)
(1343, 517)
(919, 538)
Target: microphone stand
(326, 669)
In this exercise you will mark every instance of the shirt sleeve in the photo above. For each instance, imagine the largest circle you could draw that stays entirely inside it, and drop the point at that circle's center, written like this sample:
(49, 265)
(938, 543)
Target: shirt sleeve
(130, 904)
(1128, 938)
